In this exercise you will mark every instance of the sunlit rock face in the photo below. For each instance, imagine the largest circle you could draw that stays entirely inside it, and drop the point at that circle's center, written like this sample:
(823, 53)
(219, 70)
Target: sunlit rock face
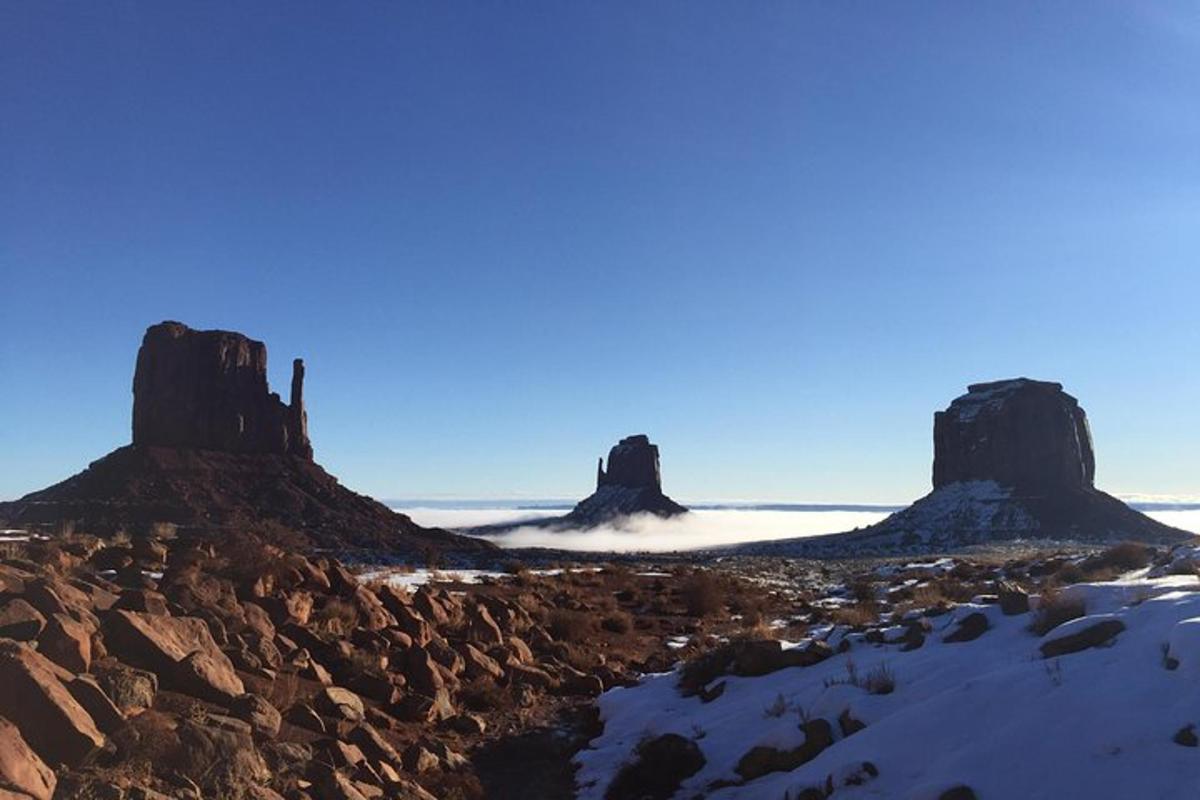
(208, 390)
(1030, 435)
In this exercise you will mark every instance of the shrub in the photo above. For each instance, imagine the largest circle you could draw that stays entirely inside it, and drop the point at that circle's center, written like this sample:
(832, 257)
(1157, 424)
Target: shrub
(570, 626)
(481, 695)
(1069, 573)
(336, 618)
(1125, 556)
(617, 622)
(856, 616)
(703, 595)
(1053, 610)
(880, 680)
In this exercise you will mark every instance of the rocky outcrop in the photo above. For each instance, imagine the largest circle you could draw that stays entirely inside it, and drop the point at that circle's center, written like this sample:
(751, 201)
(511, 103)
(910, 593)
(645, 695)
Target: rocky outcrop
(1013, 459)
(1029, 435)
(214, 450)
(632, 484)
(221, 692)
(208, 390)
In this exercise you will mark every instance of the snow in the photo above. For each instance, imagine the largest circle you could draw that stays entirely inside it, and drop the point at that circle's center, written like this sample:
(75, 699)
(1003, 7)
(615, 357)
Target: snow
(411, 579)
(990, 714)
(966, 407)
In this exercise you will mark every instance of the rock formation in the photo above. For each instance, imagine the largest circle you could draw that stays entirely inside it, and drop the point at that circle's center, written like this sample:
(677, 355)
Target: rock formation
(1012, 459)
(208, 390)
(1018, 433)
(632, 484)
(633, 463)
(214, 450)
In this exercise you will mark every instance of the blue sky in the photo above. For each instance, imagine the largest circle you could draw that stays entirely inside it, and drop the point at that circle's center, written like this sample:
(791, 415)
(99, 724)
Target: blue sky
(774, 236)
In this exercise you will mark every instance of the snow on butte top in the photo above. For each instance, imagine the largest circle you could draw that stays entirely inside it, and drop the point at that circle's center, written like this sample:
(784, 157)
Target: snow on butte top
(992, 395)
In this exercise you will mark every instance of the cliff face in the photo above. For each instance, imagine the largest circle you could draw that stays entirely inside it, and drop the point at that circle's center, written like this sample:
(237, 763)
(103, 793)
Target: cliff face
(632, 462)
(1026, 434)
(208, 390)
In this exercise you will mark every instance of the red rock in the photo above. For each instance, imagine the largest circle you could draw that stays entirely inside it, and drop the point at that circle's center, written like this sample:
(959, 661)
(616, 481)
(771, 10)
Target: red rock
(21, 621)
(66, 643)
(421, 672)
(166, 646)
(145, 600)
(342, 703)
(479, 664)
(483, 628)
(103, 711)
(208, 676)
(36, 701)
(21, 770)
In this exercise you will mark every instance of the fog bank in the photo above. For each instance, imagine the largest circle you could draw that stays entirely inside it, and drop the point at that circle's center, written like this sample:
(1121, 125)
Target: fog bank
(696, 530)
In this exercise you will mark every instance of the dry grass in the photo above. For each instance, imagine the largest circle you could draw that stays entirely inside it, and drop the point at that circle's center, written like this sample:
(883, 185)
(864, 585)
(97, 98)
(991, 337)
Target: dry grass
(617, 622)
(570, 626)
(856, 616)
(703, 595)
(336, 618)
(1053, 610)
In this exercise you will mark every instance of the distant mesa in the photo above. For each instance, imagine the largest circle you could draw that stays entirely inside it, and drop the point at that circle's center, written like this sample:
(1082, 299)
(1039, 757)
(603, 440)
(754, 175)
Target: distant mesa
(632, 484)
(1012, 460)
(215, 450)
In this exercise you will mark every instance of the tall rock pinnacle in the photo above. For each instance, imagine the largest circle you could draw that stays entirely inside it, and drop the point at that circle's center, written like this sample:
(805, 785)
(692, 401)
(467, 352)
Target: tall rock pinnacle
(208, 390)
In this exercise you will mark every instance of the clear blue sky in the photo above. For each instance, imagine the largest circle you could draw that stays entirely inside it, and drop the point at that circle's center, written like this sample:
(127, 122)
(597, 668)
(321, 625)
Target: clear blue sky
(775, 236)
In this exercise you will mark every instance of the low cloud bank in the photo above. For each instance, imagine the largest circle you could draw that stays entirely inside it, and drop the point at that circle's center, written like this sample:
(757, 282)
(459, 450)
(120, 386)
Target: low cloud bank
(647, 533)
(696, 530)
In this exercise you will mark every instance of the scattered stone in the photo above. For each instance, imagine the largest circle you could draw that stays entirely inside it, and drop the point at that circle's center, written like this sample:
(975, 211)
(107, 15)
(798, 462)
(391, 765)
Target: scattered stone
(970, 628)
(340, 703)
(1094, 635)
(263, 717)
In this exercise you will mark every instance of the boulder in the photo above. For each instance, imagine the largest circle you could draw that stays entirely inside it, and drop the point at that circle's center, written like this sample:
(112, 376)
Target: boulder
(263, 717)
(67, 643)
(760, 760)
(1076, 635)
(35, 699)
(181, 650)
(99, 706)
(340, 703)
(970, 628)
(21, 770)
(208, 676)
(21, 621)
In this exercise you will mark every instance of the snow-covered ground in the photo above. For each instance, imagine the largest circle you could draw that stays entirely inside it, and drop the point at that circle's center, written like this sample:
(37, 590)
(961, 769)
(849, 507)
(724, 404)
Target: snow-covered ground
(412, 578)
(990, 714)
(697, 530)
